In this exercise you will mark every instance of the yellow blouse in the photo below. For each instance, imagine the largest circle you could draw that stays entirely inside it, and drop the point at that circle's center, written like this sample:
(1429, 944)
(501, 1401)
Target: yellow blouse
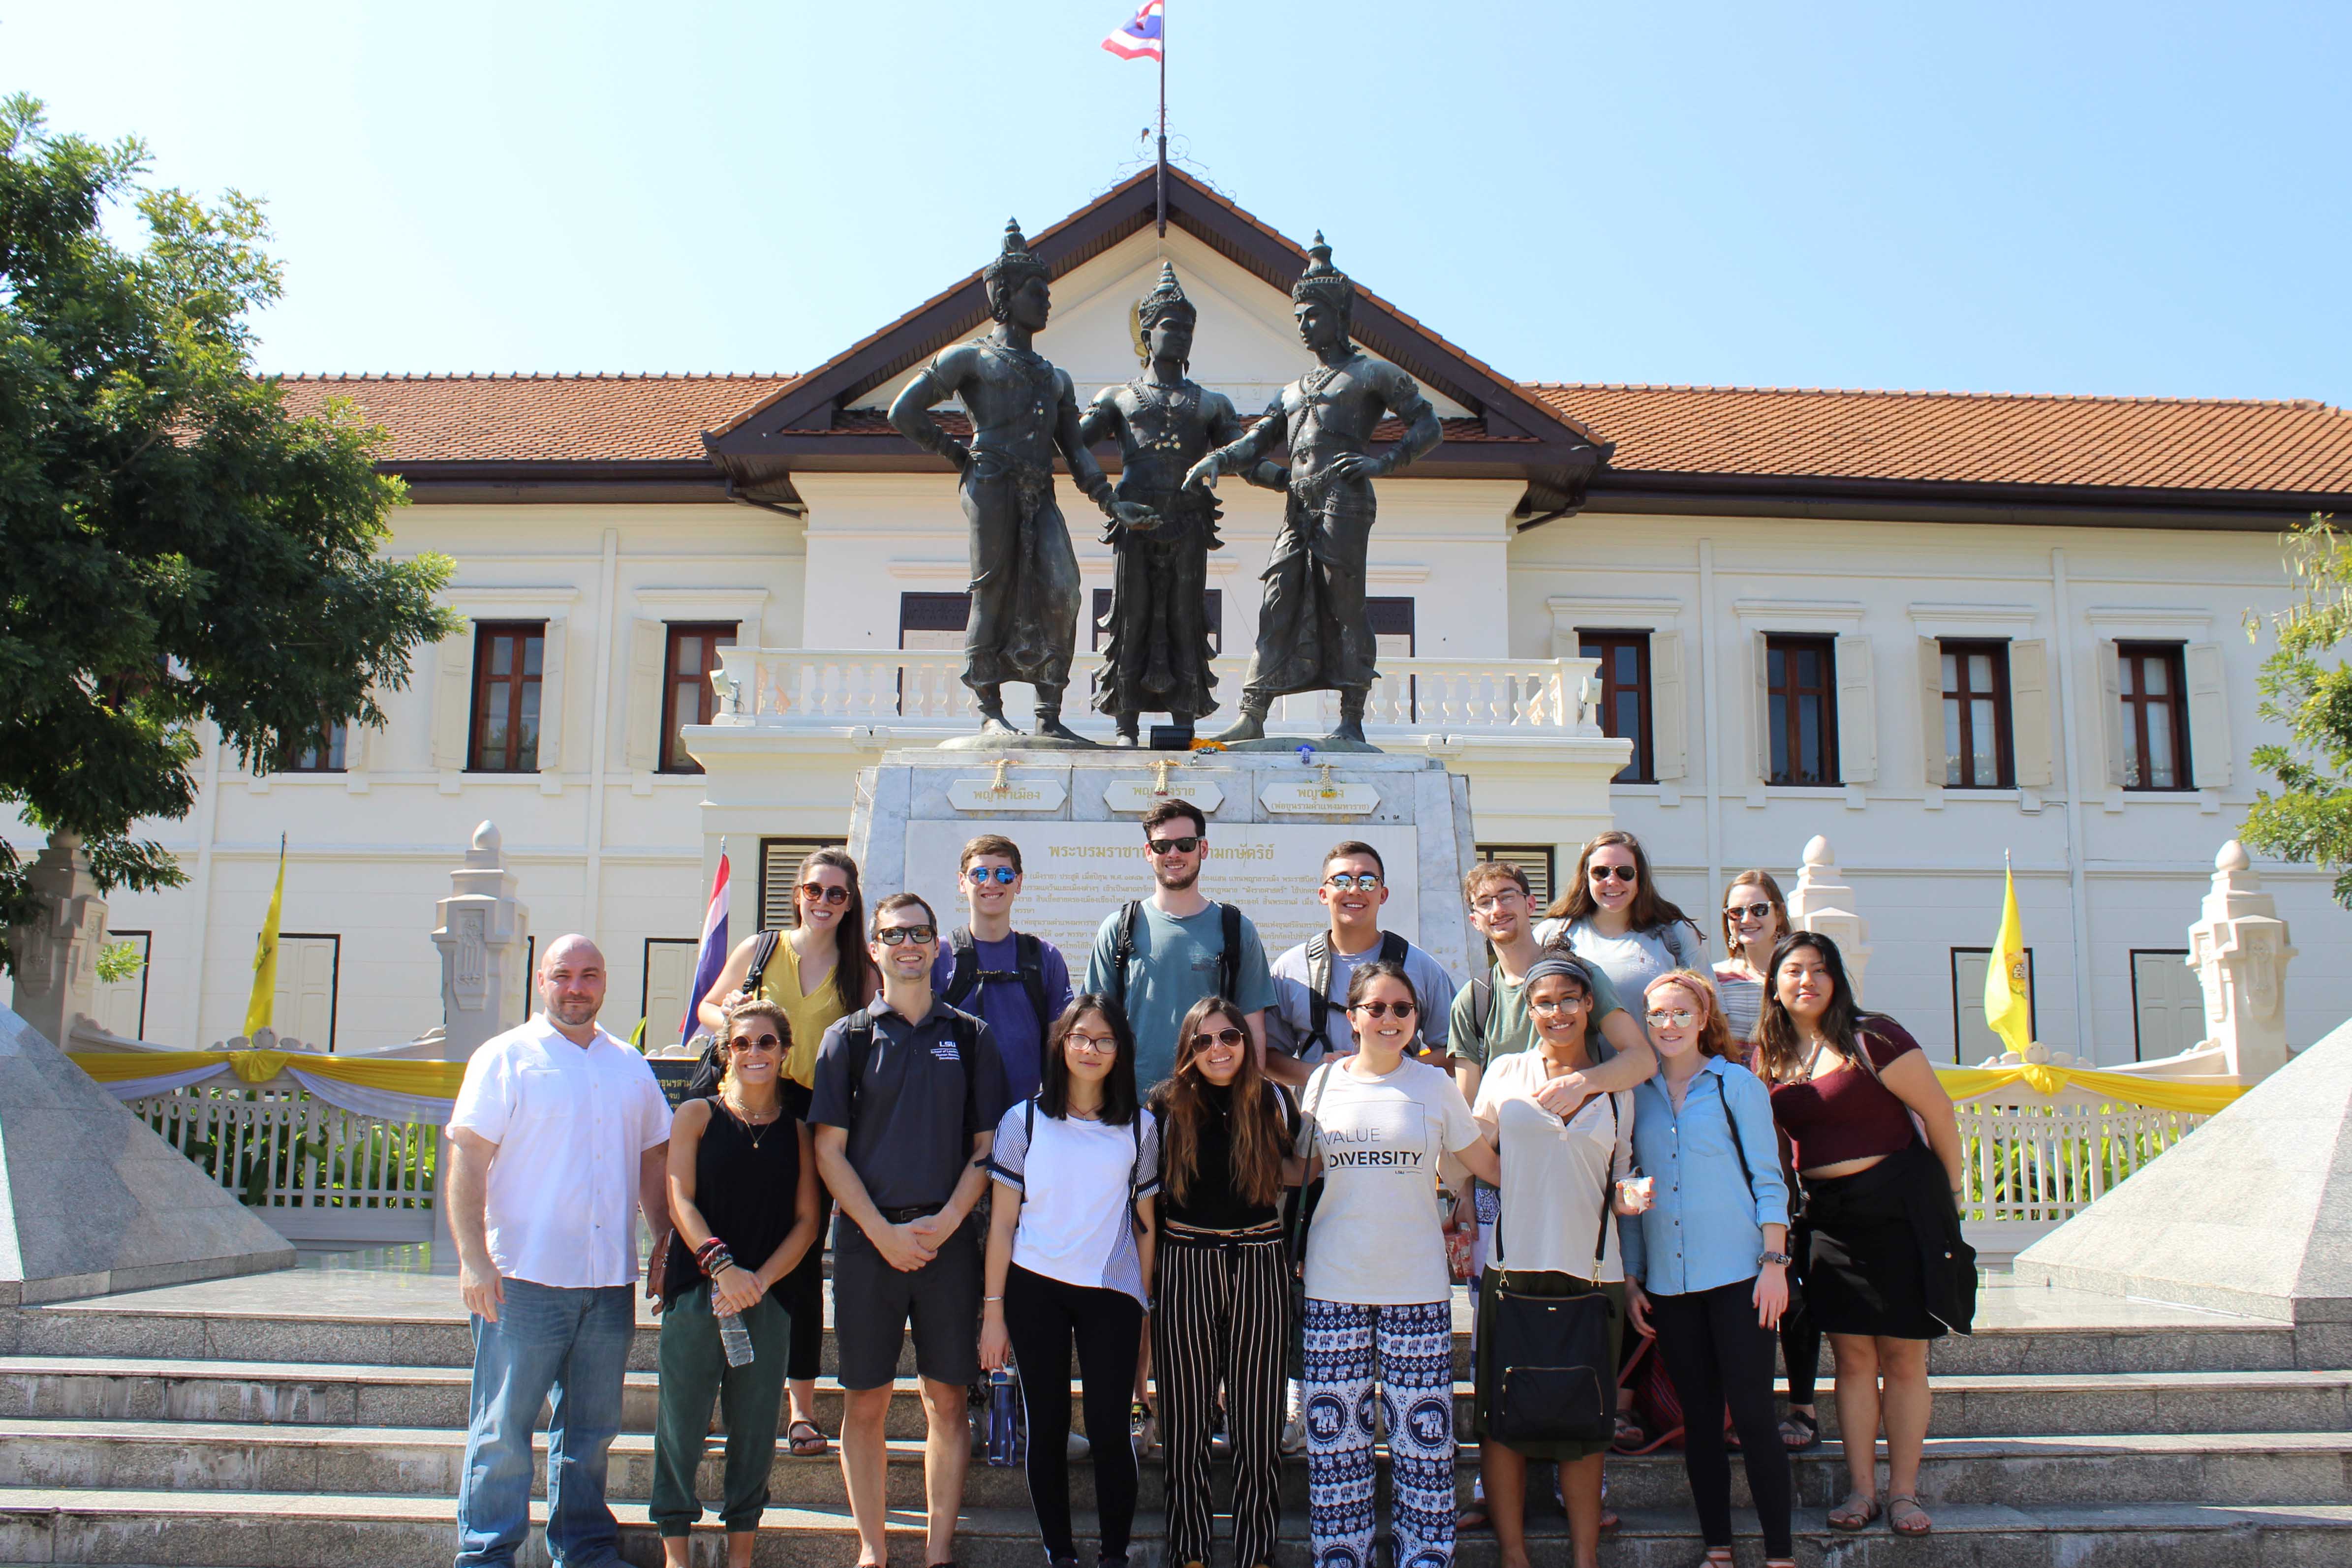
(811, 1015)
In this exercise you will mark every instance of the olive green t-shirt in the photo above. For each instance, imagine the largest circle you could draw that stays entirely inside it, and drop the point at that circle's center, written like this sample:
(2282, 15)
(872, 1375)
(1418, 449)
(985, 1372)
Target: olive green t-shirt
(1508, 1027)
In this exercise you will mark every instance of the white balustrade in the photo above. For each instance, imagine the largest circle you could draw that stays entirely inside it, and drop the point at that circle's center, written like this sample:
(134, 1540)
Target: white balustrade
(2034, 1161)
(314, 1171)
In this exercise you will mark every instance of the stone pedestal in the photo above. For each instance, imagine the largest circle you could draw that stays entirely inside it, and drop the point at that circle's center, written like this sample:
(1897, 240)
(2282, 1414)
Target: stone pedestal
(483, 936)
(1076, 816)
(1822, 902)
(2240, 950)
(92, 1202)
(57, 953)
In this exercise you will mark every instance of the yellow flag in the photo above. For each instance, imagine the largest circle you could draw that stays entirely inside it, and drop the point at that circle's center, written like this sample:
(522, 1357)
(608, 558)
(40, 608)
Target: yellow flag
(2007, 1012)
(265, 955)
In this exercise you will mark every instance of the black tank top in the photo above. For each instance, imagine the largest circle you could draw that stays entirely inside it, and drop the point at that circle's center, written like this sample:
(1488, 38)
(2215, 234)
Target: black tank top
(745, 1191)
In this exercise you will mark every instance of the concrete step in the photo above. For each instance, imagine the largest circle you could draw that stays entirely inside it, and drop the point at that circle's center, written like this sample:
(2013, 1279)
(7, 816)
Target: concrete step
(129, 1388)
(275, 1530)
(2136, 1467)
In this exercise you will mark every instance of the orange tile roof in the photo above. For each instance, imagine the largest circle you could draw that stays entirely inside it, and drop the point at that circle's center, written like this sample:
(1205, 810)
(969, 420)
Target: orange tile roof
(1998, 438)
(541, 419)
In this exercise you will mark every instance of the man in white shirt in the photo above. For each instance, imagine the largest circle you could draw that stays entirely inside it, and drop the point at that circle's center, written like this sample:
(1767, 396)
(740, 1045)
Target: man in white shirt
(558, 1132)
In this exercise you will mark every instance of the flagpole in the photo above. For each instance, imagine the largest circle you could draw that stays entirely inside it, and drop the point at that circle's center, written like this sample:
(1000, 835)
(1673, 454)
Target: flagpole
(1161, 188)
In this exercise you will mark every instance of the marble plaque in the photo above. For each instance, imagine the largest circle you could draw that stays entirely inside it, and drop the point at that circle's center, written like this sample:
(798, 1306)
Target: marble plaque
(1138, 795)
(1043, 793)
(1315, 797)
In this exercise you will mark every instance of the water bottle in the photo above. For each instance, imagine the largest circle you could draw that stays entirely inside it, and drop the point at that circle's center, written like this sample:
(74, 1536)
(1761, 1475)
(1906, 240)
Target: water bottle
(735, 1338)
(1004, 1445)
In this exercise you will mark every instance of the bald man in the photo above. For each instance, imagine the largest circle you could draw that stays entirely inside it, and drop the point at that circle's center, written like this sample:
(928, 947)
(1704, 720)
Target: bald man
(558, 1130)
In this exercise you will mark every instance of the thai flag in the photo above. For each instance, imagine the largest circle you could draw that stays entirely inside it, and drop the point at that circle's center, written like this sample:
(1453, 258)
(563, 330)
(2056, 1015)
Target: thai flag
(1139, 39)
(712, 957)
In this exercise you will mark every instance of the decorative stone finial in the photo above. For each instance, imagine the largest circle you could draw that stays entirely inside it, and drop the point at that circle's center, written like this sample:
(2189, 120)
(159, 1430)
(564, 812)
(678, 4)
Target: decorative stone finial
(1818, 851)
(2232, 857)
(488, 839)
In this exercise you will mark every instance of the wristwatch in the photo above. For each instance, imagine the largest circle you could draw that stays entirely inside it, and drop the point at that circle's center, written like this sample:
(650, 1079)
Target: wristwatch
(1782, 1258)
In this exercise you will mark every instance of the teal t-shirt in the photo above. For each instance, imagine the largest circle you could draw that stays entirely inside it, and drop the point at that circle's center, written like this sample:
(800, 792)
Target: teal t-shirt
(1174, 964)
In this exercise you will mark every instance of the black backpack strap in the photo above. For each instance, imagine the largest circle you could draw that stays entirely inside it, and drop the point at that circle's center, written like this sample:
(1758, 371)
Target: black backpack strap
(1393, 947)
(763, 950)
(1482, 1008)
(967, 966)
(860, 1036)
(1318, 989)
(1123, 949)
(1029, 959)
(1229, 962)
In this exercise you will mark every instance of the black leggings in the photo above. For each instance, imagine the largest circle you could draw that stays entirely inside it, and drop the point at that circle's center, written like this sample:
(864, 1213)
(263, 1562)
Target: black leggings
(1717, 1353)
(802, 1295)
(1044, 1318)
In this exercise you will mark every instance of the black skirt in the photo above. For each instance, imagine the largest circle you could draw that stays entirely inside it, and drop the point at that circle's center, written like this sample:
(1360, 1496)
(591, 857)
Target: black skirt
(1863, 1270)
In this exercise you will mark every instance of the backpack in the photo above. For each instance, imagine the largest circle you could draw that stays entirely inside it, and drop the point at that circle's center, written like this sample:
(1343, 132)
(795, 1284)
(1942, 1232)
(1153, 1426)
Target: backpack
(1229, 962)
(859, 1038)
(762, 951)
(1393, 948)
(1029, 968)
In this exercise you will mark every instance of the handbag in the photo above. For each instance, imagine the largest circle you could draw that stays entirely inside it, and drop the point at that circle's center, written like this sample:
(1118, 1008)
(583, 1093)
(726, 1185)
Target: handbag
(1555, 1380)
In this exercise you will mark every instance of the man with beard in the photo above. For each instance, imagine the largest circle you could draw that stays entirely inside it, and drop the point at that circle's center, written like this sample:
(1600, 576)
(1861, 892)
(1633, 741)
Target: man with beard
(557, 1130)
(1158, 956)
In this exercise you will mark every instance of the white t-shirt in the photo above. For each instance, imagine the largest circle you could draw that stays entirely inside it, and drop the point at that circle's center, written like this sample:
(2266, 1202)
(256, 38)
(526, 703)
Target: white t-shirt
(570, 1122)
(1079, 1181)
(1376, 1240)
(1553, 1172)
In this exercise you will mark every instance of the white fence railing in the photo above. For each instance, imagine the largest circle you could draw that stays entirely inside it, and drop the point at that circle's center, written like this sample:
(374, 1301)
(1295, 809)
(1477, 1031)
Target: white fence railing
(913, 688)
(2035, 1161)
(313, 1172)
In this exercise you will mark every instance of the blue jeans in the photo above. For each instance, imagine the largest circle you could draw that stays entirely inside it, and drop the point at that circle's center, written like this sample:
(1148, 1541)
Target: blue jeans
(576, 1344)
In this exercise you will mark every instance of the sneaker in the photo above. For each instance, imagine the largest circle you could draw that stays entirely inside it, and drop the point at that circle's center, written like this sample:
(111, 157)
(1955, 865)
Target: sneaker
(1143, 1429)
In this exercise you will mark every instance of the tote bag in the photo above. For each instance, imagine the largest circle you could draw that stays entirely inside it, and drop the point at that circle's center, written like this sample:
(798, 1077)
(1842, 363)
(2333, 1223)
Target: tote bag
(1555, 1381)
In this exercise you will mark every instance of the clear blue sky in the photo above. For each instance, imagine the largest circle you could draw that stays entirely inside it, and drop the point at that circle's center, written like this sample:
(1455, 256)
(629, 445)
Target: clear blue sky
(2109, 198)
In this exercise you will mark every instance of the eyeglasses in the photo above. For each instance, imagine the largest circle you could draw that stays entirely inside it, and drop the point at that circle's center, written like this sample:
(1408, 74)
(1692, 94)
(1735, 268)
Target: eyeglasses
(1183, 846)
(1345, 881)
(1679, 1018)
(1224, 1037)
(1493, 901)
(1622, 873)
(1557, 1004)
(891, 936)
(979, 875)
(818, 892)
(744, 1045)
(1094, 1044)
(1747, 910)
(1382, 1010)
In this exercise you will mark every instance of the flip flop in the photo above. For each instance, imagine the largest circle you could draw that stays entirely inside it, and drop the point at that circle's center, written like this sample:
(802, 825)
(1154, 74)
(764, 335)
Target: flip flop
(1844, 1517)
(813, 1446)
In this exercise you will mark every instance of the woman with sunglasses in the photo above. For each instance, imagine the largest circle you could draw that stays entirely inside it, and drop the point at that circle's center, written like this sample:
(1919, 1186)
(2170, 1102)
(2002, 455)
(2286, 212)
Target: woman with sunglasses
(1559, 1159)
(1070, 1248)
(817, 972)
(1223, 1311)
(1877, 1153)
(1376, 1124)
(742, 1202)
(1706, 1263)
(1612, 916)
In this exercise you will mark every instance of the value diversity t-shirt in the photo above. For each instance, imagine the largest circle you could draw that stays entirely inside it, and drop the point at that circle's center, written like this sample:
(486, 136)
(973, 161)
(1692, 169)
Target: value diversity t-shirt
(1376, 1240)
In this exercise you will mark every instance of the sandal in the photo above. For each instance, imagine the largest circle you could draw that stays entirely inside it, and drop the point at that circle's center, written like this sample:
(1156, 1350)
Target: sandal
(1857, 1513)
(1472, 1518)
(1609, 1520)
(813, 1446)
(1629, 1438)
(1800, 1431)
(1915, 1522)
(1718, 1557)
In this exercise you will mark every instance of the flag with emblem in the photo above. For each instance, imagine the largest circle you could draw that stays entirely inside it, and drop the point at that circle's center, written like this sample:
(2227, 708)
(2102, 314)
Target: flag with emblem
(1139, 39)
(2009, 1010)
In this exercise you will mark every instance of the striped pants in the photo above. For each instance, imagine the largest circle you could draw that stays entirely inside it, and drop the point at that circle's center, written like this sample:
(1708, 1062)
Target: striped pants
(1409, 1352)
(1221, 1319)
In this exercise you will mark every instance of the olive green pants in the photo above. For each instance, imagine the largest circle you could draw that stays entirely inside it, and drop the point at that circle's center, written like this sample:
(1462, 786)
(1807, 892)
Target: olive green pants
(695, 1374)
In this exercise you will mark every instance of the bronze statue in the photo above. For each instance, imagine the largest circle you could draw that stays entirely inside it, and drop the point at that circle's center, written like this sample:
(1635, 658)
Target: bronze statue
(1024, 575)
(1314, 631)
(1157, 660)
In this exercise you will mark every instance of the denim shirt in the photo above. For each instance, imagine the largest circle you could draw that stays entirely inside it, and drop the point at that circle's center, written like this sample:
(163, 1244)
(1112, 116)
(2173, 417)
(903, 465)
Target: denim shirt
(1705, 1227)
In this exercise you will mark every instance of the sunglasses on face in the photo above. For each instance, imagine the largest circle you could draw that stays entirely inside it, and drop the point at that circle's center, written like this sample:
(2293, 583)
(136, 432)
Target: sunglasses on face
(979, 875)
(1183, 846)
(744, 1045)
(1382, 1010)
(1557, 1005)
(891, 936)
(1228, 1037)
(1347, 882)
(1679, 1018)
(1622, 873)
(818, 892)
(1747, 910)
(1094, 1044)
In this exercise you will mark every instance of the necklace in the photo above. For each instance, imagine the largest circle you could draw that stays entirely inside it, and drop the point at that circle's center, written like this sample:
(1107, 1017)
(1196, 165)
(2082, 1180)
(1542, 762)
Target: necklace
(1321, 376)
(755, 1131)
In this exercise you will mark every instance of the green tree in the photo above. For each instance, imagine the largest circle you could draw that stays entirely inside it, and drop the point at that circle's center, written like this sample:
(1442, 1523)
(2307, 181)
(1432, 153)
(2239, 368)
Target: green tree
(2311, 818)
(175, 547)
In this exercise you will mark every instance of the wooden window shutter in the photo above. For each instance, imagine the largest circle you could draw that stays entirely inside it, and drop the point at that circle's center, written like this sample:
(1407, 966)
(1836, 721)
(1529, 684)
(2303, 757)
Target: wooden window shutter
(2028, 713)
(1759, 711)
(453, 700)
(2107, 686)
(648, 660)
(2209, 716)
(552, 727)
(1857, 713)
(1933, 760)
(1669, 740)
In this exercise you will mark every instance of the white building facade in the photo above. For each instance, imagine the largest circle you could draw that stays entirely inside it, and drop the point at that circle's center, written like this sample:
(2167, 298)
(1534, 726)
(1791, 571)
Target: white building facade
(1934, 629)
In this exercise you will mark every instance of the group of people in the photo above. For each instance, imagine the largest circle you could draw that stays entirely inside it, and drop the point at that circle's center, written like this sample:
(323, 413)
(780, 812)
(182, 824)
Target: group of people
(1237, 1193)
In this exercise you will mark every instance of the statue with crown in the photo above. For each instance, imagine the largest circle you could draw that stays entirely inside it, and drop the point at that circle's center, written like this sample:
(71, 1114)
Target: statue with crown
(1156, 656)
(1024, 575)
(1315, 630)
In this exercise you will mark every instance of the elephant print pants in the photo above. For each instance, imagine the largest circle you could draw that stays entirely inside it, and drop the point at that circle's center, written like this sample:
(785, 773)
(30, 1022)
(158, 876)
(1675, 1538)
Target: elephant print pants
(1408, 1353)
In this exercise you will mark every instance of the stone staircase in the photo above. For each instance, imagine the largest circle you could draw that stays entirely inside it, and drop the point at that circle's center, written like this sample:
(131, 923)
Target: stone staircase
(142, 1429)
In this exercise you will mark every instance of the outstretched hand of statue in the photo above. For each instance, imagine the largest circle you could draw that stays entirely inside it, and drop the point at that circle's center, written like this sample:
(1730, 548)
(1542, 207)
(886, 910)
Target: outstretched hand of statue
(1134, 517)
(1203, 475)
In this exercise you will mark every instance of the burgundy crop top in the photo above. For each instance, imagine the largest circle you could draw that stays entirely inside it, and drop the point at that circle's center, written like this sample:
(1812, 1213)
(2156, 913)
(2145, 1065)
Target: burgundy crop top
(1848, 1114)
